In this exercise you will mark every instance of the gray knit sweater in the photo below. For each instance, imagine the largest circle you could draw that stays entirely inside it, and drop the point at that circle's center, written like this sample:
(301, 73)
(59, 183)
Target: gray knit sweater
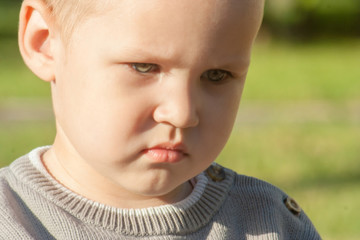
(34, 206)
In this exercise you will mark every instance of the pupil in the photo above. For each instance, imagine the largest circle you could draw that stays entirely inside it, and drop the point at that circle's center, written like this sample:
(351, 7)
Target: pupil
(216, 75)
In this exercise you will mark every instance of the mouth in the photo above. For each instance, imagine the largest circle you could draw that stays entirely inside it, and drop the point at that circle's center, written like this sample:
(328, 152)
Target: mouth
(166, 153)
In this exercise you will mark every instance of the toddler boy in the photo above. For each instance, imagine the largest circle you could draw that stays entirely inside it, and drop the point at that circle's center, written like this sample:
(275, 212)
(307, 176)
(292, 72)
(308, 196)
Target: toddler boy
(145, 93)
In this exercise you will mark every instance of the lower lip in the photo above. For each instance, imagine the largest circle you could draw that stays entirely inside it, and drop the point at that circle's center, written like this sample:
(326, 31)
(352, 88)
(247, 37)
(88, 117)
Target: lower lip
(164, 155)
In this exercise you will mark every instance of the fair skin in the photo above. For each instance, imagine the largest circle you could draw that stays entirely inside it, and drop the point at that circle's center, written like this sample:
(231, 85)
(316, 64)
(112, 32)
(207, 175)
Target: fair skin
(131, 135)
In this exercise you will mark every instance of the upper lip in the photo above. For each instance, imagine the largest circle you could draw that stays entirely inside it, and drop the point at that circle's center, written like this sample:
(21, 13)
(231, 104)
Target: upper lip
(170, 146)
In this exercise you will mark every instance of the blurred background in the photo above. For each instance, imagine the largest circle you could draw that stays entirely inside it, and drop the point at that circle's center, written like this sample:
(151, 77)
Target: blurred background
(299, 121)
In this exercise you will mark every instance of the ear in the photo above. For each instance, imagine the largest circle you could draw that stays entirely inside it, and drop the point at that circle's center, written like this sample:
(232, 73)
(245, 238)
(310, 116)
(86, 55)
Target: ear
(35, 39)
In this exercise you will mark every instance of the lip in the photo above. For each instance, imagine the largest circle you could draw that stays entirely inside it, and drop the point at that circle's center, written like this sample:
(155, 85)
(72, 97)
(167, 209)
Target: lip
(166, 153)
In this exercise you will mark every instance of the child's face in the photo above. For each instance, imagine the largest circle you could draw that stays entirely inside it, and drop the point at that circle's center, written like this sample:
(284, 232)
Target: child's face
(147, 93)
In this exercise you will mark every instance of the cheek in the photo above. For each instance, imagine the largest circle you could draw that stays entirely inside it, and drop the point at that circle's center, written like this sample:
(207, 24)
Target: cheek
(98, 118)
(221, 122)
(222, 111)
(218, 122)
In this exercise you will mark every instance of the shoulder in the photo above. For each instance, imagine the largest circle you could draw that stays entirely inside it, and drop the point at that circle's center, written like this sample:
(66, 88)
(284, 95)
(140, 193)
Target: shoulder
(257, 189)
(264, 198)
(249, 192)
(246, 189)
(10, 209)
(15, 217)
(263, 207)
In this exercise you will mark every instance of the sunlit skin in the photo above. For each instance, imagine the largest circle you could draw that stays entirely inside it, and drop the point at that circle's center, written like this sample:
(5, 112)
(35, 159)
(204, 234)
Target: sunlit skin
(145, 96)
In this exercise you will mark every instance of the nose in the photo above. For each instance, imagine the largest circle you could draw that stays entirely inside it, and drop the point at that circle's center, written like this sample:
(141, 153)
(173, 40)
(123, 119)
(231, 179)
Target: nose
(178, 105)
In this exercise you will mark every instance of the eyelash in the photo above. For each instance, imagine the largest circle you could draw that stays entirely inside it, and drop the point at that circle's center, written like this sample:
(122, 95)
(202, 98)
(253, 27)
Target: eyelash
(150, 67)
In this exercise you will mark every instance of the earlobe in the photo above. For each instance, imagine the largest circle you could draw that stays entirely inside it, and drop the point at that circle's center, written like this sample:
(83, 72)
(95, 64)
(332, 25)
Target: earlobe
(35, 41)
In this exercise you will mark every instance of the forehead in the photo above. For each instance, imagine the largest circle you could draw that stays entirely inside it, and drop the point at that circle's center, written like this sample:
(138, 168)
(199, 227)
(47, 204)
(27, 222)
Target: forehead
(176, 26)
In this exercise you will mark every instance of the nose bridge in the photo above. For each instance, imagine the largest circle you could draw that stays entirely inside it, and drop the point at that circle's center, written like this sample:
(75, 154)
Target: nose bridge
(178, 105)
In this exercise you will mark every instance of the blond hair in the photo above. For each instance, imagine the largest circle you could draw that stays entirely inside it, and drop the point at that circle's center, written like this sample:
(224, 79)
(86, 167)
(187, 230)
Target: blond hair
(68, 13)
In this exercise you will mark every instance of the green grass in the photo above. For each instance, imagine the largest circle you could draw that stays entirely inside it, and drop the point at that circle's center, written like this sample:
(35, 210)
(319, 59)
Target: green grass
(314, 156)
(9, 11)
(289, 72)
(16, 80)
(18, 138)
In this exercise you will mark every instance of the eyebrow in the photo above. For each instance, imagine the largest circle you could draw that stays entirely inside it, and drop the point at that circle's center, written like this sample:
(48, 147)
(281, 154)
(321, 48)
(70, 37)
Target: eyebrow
(233, 63)
(142, 53)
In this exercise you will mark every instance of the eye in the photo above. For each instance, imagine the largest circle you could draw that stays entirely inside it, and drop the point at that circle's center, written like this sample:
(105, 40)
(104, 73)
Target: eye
(143, 67)
(216, 75)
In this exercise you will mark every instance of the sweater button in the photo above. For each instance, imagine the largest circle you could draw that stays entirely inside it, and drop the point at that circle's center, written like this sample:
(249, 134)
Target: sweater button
(293, 206)
(216, 172)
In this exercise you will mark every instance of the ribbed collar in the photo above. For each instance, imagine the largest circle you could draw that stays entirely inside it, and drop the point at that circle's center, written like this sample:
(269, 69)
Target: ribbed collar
(180, 218)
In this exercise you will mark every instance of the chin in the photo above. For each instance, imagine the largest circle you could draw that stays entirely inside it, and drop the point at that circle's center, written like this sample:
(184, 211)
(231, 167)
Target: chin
(158, 190)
